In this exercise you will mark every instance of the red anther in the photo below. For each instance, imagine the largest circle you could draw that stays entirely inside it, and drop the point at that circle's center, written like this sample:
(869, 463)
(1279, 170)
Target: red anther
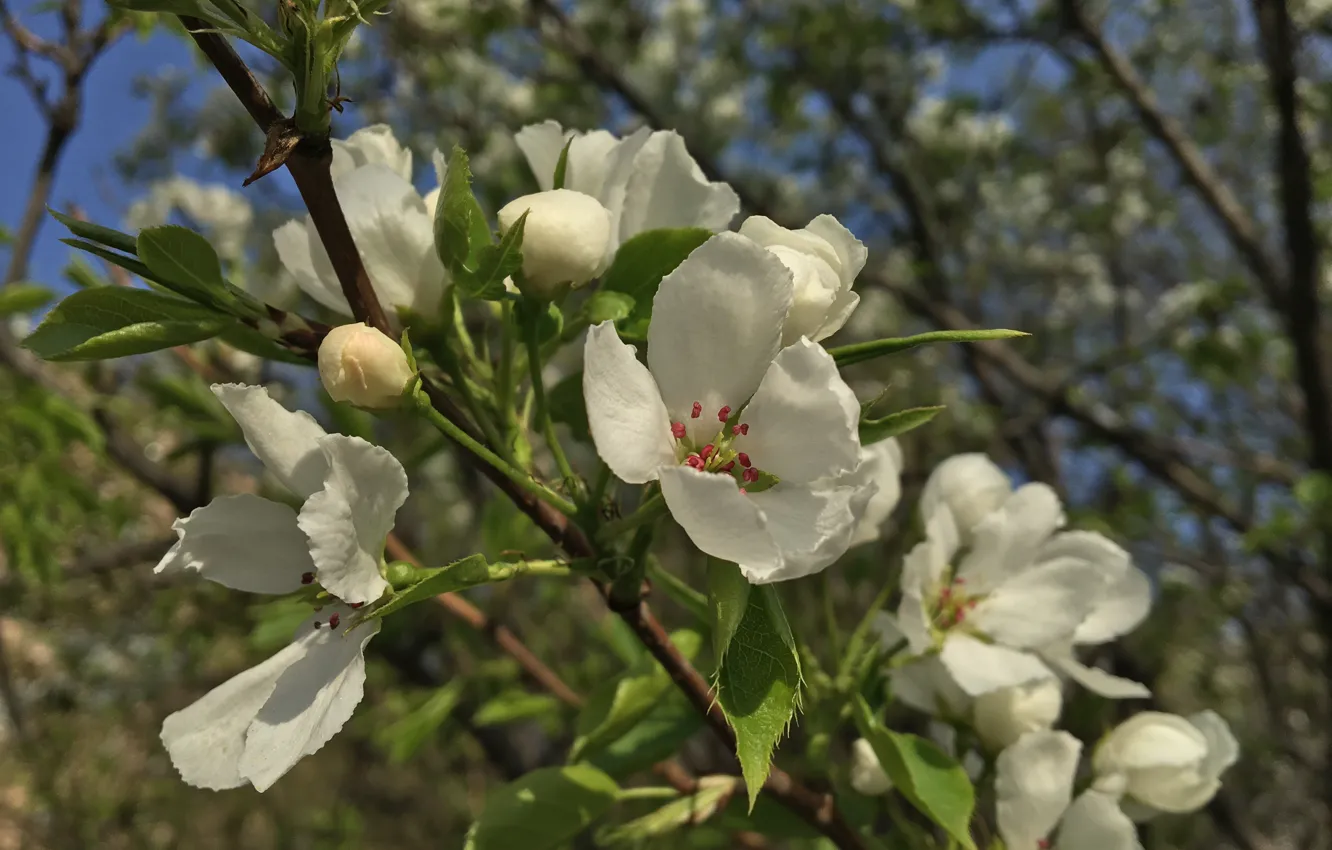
(972, 603)
(743, 491)
(744, 459)
(1043, 844)
(678, 430)
(694, 461)
(333, 621)
(697, 411)
(744, 428)
(707, 451)
(724, 413)
(945, 593)
(959, 581)
(354, 605)
(751, 475)
(735, 430)
(728, 467)
(307, 578)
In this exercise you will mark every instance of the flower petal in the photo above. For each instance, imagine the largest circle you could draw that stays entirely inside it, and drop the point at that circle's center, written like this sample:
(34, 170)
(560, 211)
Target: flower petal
(1040, 606)
(803, 417)
(1094, 822)
(207, 738)
(970, 485)
(980, 667)
(313, 699)
(349, 518)
(926, 685)
(852, 254)
(1118, 609)
(1033, 786)
(374, 144)
(541, 145)
(716, 327)
(1222, 748)
(1093, 679)
(719, 519)
(668, 189)
(293, 243)
(1006, 542)
(1151, 739)
(880, 465)
(243, 542)
(624, 409)
(811, 529)
(285, 441)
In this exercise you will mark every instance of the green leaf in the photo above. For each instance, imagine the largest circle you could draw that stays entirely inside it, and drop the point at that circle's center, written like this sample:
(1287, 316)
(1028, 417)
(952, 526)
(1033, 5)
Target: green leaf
(686, 811)
(514, 705)
(728, 597)
(185, 263)
(860, 352)
(562, 167)
(605, 306)
(874, 430)
(640, 264)
(658, 736)
(928, 777)
(23, 298)
(758, 685)
(122, 242)
(129, 264)
(404, 737)
(460, 575)
(454, 212)
(247, 339)
(618, 705)
(493, 264)
(543, 809)
(117, 321)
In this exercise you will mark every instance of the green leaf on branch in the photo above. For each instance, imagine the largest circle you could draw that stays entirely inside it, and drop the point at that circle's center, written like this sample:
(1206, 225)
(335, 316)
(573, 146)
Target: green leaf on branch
(122, 242)
(928, 777)
(847, 355)
(543, 809)
(562, 166)
(874, 430)
(456, 213)
(605, 306)
(658, 736)
(128, 263)
(640, 264)
(493, 264)
(728, 597)
(712, 792)
(23, 298)
(618, 705)
(99, 324)
(404, 737)
(758, 685)
(460, 575)
(514, 705)
(184, 262)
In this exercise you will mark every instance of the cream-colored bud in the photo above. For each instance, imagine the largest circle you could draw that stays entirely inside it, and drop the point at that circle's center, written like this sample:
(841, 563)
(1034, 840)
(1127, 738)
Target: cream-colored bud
(867, 775)
(1003, 716)
(565, 238)
(360, 365)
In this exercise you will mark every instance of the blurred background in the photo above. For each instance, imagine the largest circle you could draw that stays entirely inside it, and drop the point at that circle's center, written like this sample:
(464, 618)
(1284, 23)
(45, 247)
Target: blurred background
(1142, 185)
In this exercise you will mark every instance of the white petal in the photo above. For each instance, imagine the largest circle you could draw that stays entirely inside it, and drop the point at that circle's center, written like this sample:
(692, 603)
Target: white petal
(867, 775)
(668, 189)
(1118, 610)
(541, 145)
(313, 699)
(1006, 542)
(716, 327)
(980, 667)
(1033, 786)
(590, 158)
(619, 170)
(926, 685)
(1040, 606)
(286, 442)
(373, 144)
(1222, 748)
(972, 487)
(1174, 790)
(206, 739)
(1094, 822)
(349, 518)
(624, 410)
(881, 465)
(1002, 717)
(803, 418)
(851, 255)
(720, 520)
(811, 529)
(913, 617)
(1151, 739)
(243, 542)
(293, 242)
(1093, 679)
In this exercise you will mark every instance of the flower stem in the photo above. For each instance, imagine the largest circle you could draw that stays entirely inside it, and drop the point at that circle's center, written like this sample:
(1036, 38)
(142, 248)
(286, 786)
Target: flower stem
(856, 642)
(504, 388)
(543, 420)
(647, 512)
(517, 476)
(506, 571)
(649, 793)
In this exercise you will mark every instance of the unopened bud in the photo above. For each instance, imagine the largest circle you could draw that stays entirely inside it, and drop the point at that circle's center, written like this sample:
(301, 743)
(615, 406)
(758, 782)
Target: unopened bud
(360, 365)
(1003, 716)
(565, 238)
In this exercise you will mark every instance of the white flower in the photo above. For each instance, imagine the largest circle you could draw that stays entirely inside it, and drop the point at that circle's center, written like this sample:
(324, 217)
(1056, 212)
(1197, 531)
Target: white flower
(880, 464)
(824, 258)
(867, 776)
(256, 726)
(721, 408)
(565, 238)
(1001, 717)
(1166, 762)
(359, 364)
(390, 222)
(223, 213)
(1022, 596)
(647, 180)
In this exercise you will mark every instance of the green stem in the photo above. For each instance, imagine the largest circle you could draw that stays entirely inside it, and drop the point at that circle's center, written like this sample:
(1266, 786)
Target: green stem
(524, 481)
(646, 794)
(857, 640)
(830, 614)
(647, 512)
(543, 420)
(560, 569)
(676, 588)
(504, 387)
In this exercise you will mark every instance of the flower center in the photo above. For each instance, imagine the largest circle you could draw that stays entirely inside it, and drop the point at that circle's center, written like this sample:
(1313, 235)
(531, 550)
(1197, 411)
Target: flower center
(720, 455)
(954, 603)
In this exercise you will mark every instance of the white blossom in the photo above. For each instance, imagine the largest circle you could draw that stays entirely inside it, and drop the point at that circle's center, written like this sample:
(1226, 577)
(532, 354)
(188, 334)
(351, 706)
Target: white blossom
(1003, 716)
(722, 408)
(824, 258)
(880, 464)
(359, 364)
(257, 725)
(565, 238)
(372, 145)
(223, 213)
(1165, 762)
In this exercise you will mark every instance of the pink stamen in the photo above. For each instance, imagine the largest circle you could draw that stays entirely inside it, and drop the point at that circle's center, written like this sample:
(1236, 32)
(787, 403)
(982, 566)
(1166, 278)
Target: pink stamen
(744, 459)
(307, 578)
(333, 621)
(724, 413)
(697, 411)
(354, 605)
(751, 475)
(945, 593)
(707, 451)
(1043, 844)
(959, 581)
(744, 428)
(728, 467)
(743, 490)
(678, 430)
(694, 462)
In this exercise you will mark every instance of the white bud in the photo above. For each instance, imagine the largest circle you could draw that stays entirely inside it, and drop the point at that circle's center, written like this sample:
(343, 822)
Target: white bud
(565, 239)
(1166, 762)
(1003, 716)
(361, 365)
(867, 775)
